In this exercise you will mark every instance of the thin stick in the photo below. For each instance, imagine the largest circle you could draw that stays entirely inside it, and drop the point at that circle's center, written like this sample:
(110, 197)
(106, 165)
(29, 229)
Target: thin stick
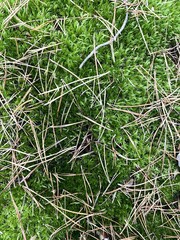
(110, 41)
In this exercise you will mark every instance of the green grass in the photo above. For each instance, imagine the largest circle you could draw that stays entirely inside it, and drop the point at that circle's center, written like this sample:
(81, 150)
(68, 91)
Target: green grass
(71, 138)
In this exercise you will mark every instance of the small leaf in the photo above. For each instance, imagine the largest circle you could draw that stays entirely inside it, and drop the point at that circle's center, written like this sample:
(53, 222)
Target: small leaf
(178, 158)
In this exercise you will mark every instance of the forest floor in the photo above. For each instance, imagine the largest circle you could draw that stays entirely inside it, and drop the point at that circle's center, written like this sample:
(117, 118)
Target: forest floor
(89, 147)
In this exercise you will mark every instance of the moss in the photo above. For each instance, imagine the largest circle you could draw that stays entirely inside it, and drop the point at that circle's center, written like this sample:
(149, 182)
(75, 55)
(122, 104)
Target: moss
(40, 131)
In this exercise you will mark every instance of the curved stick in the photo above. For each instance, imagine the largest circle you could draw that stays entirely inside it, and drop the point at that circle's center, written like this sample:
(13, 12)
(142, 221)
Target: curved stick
(108, 42)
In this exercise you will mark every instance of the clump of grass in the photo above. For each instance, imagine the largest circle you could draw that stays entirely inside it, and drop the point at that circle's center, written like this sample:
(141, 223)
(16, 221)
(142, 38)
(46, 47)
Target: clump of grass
(89, 152)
